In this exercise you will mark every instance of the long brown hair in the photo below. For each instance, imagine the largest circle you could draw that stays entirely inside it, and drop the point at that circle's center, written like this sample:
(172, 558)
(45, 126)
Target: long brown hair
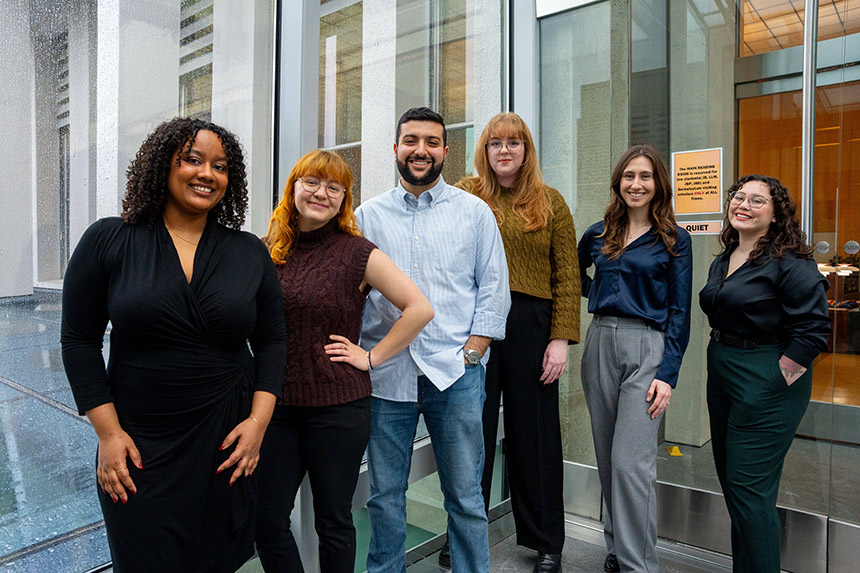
(284, 225)
(662, 216)
(784, 232)
(530, 199)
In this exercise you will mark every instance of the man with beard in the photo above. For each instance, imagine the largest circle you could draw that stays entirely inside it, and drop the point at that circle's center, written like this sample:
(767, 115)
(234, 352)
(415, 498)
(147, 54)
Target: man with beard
(448, 242)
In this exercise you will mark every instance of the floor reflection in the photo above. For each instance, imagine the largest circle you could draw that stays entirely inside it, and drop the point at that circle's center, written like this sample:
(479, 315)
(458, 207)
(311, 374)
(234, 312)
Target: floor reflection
(49, 516)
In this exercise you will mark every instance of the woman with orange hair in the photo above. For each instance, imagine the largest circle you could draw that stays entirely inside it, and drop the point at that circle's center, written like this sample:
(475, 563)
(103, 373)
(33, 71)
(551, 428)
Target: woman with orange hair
(540, 247)
(321, 423)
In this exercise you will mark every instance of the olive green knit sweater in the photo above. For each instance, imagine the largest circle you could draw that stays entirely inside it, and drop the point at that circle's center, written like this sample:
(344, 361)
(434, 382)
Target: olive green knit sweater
(543, 263)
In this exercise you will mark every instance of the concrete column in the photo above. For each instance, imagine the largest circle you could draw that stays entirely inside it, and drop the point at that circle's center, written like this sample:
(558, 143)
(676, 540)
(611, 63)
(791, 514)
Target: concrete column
(524, 75)
(298, 84)
(45, 153)
(241, 92)
(487, 54)
(82, 117)
(701, 105)
(16, 150)
(138, 86)
(378, 114)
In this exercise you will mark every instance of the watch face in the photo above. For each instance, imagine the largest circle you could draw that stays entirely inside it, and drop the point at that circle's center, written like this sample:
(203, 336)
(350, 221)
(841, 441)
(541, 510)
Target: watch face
(472, 356)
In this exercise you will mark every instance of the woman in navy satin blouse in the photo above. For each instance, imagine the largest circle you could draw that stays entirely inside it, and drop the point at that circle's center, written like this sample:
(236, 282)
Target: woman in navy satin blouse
(640, 298)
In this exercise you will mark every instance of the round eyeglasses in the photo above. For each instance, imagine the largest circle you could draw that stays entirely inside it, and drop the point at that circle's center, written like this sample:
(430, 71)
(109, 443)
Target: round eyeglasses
(756, 201)
(312, 185)
(513, 145)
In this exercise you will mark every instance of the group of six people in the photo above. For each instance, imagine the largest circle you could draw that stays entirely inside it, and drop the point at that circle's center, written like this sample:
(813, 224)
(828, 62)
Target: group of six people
(292, 356)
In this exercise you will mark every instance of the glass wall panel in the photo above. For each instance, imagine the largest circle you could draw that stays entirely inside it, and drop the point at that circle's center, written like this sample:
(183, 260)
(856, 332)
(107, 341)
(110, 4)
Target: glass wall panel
(575, 150)
(340, 88)
(768, 25)
(84, 82)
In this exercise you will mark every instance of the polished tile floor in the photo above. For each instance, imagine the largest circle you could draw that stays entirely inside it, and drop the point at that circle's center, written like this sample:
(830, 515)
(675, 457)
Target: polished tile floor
(49, 516)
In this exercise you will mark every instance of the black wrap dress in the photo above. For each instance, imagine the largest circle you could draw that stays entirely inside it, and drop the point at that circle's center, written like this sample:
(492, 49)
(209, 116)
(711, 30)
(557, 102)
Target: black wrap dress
(181, 376)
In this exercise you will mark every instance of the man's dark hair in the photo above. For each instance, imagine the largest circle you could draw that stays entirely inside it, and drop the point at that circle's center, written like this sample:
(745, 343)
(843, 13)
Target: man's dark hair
(421, 114)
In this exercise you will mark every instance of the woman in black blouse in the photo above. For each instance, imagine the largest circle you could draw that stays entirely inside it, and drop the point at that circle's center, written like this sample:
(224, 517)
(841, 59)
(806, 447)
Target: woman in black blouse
(181, 409)
(767, 309)
(640, 298)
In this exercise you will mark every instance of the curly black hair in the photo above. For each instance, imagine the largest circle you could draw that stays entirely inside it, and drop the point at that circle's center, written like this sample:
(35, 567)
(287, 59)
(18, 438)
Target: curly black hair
(783, 235)
(146, 190)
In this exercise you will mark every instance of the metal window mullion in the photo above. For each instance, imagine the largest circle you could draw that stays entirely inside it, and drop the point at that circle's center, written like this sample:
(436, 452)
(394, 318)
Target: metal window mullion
(807, 146)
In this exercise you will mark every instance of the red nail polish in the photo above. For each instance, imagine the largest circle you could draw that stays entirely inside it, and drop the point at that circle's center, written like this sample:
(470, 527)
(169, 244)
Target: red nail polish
(133, 491)
(219, 470)
(140, 465)
(221, 447)
(123, 500)
(114, 499)
(231, 483)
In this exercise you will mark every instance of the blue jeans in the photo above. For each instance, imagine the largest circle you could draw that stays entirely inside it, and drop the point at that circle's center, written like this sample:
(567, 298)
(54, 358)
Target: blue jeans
(453, 418)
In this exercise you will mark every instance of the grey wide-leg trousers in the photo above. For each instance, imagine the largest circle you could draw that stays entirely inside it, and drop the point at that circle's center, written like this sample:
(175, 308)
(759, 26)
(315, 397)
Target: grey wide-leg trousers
(619, 362)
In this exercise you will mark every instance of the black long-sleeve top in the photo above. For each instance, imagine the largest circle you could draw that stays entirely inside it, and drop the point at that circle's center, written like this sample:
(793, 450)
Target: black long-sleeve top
(773, 300)
(645, 282)
(175, 346)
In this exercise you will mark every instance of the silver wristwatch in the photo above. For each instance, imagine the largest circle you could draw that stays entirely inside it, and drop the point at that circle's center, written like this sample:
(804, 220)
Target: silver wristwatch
(472, 356)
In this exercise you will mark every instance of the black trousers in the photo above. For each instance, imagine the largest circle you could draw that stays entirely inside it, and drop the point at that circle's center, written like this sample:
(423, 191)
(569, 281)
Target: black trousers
(532, 428)
(327, 443)
(754, 416)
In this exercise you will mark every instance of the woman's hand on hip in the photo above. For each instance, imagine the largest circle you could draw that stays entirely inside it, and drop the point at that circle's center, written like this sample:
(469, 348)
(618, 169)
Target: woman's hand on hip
(115, 450)
(248, 436)
(554, 360)
(342, 350)
(660, 392)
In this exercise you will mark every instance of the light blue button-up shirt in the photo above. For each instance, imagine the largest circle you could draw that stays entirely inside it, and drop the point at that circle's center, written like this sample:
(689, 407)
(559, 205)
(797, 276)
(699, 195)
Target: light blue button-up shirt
(447, 241)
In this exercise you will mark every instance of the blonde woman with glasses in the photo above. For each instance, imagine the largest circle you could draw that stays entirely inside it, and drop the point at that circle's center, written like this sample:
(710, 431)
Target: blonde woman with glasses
(540, 247)
(321, 423)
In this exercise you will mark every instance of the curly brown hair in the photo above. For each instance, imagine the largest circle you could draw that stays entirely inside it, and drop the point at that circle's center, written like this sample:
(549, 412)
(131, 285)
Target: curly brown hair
(783, 235)
(146, 190)
(615, 217)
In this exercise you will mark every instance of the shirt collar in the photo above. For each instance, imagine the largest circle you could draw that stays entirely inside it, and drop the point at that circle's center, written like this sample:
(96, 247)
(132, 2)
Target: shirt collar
(429, 197)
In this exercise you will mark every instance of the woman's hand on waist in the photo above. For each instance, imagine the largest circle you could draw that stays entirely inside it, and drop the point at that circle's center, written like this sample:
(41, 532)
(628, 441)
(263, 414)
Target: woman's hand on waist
(342, 350)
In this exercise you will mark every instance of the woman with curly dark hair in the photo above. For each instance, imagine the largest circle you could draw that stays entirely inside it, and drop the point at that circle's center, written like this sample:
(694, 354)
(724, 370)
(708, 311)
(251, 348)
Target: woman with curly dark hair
(640, 298)
(767, 309)
(181, 409)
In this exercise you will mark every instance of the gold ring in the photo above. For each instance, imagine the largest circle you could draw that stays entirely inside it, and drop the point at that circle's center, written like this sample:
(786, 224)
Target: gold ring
(120, 470)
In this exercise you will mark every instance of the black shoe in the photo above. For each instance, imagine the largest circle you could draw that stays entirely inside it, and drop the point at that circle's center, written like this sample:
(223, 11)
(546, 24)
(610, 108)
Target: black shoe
(445, 556)
(611, 564)
(548, 563)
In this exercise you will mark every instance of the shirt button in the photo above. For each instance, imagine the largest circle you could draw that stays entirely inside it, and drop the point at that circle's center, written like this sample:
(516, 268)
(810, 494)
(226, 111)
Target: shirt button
(419, 212)
(415, 265)
(416, 237)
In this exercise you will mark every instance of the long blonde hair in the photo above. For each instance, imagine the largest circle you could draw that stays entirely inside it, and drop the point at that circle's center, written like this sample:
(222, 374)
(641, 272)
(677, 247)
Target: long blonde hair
(531, 201)
(284, 225)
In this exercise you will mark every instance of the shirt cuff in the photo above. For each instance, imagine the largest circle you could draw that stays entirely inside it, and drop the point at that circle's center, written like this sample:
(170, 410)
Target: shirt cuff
(801, 353)
(667, 374)
(489, 325)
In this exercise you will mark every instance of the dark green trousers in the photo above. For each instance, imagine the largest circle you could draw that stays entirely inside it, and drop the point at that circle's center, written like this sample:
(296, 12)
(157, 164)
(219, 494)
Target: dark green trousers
(753, 415)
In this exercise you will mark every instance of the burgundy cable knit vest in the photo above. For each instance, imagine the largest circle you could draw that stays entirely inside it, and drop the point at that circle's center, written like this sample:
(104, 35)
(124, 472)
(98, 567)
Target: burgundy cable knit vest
(320, 281)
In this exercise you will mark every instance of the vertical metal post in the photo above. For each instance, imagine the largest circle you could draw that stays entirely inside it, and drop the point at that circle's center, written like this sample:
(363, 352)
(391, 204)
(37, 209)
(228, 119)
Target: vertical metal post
(807, 149)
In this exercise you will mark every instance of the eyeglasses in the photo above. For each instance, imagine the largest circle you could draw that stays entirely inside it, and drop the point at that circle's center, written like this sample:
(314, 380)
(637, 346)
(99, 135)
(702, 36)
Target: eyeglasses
(312, 185)
(513, 145)
(756, 201)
